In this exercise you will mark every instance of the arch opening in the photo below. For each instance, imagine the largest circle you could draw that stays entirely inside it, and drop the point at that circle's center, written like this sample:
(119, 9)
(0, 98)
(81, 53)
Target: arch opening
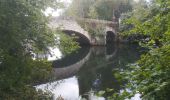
(110, 37)
(80, 38)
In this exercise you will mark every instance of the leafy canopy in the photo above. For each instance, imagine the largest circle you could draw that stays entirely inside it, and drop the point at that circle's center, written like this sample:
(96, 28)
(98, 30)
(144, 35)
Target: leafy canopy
(24, 33)
(150, 75)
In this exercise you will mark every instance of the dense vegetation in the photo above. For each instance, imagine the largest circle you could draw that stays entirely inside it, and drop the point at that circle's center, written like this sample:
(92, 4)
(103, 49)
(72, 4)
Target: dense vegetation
(24, 35)
(98, 9)
(150, 75)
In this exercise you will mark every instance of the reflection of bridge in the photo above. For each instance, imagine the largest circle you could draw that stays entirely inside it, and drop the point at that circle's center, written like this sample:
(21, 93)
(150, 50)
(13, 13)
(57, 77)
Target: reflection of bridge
(71, 70)
(71, 27)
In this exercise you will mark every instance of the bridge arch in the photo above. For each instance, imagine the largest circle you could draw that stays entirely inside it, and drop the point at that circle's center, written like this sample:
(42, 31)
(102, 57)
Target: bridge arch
(80, 38)
(110, 37)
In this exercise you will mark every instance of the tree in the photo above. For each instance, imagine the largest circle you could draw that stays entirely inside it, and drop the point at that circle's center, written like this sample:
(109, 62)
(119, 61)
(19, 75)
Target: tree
(98, 8)
(24, 32)
(79, 8)
(150, 75)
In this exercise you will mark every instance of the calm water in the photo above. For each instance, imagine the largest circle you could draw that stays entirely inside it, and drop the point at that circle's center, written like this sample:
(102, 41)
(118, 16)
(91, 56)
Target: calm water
(89, 70)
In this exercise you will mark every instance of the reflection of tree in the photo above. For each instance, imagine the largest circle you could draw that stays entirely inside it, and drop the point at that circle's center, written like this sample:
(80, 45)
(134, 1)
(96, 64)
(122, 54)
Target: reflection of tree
(128, 54)
(88, 71)
(97, 73)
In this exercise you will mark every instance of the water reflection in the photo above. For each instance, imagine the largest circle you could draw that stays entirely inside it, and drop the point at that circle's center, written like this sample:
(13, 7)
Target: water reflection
(71, 64)
(72, 58)
(92, 69)
(67, 88)
(55, 54)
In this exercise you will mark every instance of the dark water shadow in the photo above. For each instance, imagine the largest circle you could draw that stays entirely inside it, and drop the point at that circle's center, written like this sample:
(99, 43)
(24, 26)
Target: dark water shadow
(72, 58)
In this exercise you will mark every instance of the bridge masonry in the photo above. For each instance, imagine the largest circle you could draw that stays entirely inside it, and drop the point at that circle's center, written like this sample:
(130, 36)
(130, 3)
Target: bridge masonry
(72, 26)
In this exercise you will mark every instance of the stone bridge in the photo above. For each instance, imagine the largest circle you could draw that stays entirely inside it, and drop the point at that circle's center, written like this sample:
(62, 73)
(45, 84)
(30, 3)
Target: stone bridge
(71, 26)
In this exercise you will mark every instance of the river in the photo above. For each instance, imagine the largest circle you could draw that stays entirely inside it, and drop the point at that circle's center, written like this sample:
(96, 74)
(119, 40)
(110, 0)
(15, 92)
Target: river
(89, 70)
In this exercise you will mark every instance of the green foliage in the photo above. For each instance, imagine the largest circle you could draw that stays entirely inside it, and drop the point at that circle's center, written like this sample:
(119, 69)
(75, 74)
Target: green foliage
(132, 22)
(152, 20)
(93, 13)
(68, 44)
(79, 8)
(107, 9)
(150, 75)
(93, 29)
(100, 9)
(100, 93)
(104, 9)
(24, 32)
(18, 74)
